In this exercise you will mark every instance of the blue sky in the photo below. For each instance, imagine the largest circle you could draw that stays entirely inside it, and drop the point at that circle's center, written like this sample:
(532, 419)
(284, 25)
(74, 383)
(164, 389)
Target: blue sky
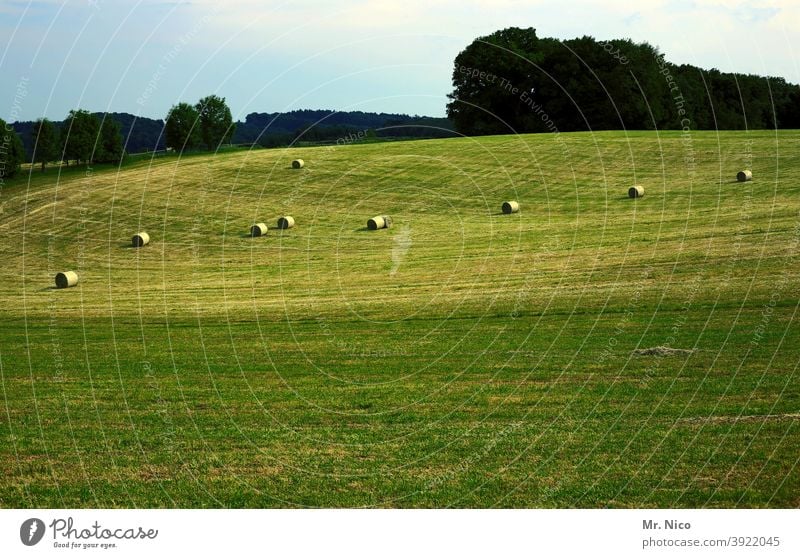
(373, 55)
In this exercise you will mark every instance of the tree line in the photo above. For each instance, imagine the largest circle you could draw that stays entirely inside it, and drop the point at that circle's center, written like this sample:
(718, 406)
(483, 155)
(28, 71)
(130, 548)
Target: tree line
(87, 138)
(515, 82)
(82, 137)
(208, 124)
(281, 129)
(140, 134)
(278, 129)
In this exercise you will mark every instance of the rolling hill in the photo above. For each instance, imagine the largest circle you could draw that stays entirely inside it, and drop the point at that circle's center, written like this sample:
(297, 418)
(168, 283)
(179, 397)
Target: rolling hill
(461, 358)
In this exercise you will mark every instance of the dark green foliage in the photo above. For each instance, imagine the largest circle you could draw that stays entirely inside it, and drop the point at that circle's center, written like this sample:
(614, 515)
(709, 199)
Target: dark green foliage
(109, 146)
(489, 77)
(12, 153)
(323, 133)
(44, 137)
(216, 122)
(513, 82)
(276, 140)
(182, 127)
(327, 126)
(790, 118)
(79, 136)
(139, 134)
(87, 138)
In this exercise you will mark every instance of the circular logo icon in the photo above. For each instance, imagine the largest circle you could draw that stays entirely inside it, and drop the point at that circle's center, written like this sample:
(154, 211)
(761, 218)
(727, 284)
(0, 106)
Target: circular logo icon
(32, 531)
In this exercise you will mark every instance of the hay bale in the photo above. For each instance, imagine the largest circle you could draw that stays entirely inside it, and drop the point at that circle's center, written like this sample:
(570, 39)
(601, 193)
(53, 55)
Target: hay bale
(377, 222)
(66, 279)
(298, 164)
(140, 239)
(510, 207)
(636, 191)
(285, 222)
(744, 175)
(259, 229)
(387, 221)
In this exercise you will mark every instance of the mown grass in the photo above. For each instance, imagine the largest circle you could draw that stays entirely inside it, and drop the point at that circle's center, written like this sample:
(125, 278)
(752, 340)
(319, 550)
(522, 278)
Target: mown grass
(461, 358)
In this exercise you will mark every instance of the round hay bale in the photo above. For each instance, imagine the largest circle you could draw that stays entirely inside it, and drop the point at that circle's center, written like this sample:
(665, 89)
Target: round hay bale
(636, 191)
(298, 164)
(140, 239)
(259, 229)
(744, 175)
(66, 279)
(377, 222)
(510, 207)
(285, 222)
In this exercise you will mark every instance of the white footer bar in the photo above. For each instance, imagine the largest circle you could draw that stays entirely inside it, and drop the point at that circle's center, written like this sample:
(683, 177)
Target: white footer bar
(400, 533)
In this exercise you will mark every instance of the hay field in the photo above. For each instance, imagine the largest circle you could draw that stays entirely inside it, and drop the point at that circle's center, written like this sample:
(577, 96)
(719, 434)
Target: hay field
(460, 358)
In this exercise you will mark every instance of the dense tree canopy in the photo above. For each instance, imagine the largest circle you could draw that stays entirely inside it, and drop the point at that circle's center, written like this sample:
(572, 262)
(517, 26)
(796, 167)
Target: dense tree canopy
(109, 146)
(182, 127)
(12, 153)
(87, 138)
(216, 121)
(78, 136)
(140, 134)
(44, 136)
(514, 81)
(281, 129)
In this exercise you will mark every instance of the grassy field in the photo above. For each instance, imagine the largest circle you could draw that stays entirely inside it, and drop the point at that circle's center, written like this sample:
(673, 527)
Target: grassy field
(461, 358)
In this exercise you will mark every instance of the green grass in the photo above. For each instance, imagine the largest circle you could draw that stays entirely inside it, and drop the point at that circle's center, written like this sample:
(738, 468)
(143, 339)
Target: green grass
(461, 358)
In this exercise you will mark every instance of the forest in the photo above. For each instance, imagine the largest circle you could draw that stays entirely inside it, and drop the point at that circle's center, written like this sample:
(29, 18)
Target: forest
(515, 82)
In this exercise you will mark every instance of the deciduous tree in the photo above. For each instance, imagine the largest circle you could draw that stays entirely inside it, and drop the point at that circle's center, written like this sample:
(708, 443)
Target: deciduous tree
(216, 121)
(44, 136)
(182, 127)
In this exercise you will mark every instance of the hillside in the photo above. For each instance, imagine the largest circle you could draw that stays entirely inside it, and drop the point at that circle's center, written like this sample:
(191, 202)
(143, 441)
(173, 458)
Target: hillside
(461, 358)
